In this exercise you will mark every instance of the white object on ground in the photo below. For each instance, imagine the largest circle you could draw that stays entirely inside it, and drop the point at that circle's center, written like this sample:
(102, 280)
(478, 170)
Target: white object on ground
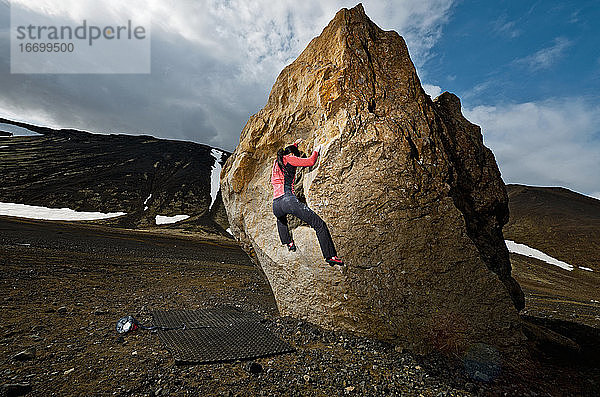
(52, 214)
(215, 183)
(2, 147)
(523, 249)
(586, 268)
(147, 198)
(229, 231)
(163, 220)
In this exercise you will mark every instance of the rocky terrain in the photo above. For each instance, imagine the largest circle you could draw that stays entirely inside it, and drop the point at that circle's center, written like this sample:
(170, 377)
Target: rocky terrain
(64, 285)
(140, 175)
(414, 200)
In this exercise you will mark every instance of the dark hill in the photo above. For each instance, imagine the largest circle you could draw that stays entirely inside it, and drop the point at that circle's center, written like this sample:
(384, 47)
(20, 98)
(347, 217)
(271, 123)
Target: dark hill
(112, 173)
(557, 221)
(566, 226)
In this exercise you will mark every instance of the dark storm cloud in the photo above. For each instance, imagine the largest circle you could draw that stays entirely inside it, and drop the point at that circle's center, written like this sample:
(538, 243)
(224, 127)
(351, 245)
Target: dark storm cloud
(179, 100)
(213, 65)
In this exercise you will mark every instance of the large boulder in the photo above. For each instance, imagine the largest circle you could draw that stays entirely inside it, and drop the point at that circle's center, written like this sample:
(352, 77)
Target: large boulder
(413, 199)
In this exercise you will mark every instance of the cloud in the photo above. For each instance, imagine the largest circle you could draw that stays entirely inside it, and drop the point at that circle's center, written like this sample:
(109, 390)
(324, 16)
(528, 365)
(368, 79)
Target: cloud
(546, 57)
(575, 16)
(478, 90)
(551, 143)
(432, 90)
(501, 26)
(213, 63)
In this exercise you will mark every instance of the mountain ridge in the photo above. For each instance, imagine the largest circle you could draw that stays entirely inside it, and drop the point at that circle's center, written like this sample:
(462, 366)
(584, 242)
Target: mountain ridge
(42, 130)
(556, 220)
(141, 175)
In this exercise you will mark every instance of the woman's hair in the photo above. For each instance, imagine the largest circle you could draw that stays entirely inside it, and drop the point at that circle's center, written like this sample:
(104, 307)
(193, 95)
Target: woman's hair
(293, 149)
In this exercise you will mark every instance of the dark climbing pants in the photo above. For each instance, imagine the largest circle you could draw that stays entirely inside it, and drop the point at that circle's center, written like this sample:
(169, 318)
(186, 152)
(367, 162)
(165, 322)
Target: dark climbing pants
(289, 204)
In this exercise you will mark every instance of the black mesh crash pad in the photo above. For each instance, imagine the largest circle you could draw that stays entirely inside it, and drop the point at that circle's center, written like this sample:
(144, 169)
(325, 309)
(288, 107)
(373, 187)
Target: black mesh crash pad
(216, 334)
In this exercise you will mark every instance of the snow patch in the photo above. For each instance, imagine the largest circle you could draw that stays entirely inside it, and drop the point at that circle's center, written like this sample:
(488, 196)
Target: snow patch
(146, 201)
(163, 220)
(2, 147)
(215, 175)
(52, 214)
(229, 231)
(523, 249)
(586, 268)
(16, 130)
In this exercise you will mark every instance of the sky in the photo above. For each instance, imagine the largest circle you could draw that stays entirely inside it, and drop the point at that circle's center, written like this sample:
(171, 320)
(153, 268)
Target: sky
(527, 72)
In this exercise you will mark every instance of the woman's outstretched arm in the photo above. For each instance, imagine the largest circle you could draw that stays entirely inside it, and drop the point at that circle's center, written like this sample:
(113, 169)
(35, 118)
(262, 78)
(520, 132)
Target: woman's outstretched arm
(303, 162)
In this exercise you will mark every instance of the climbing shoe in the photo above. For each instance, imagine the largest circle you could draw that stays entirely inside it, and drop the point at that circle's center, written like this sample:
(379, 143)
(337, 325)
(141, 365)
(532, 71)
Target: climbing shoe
(291, 246)
(334, 260)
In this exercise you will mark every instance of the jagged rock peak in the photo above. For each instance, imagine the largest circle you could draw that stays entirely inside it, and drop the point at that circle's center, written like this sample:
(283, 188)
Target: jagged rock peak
(414, 200)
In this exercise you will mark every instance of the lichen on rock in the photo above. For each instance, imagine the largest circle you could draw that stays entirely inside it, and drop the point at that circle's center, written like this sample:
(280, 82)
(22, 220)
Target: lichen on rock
(413, 199)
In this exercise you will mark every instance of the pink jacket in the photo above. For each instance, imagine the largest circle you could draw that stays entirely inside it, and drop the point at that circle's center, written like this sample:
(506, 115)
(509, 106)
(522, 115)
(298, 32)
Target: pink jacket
(278, 179)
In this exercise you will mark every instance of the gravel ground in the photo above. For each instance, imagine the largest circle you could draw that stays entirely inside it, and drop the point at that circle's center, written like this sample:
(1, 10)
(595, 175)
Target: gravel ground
(64, 286)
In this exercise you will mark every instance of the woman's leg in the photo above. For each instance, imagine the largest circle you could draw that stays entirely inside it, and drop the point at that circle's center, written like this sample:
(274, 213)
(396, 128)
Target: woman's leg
(282, 224)
(283, 230)
(292, 205)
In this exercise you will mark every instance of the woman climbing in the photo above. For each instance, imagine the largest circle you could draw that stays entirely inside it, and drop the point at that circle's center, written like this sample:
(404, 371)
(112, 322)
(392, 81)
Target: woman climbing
(285, 201)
